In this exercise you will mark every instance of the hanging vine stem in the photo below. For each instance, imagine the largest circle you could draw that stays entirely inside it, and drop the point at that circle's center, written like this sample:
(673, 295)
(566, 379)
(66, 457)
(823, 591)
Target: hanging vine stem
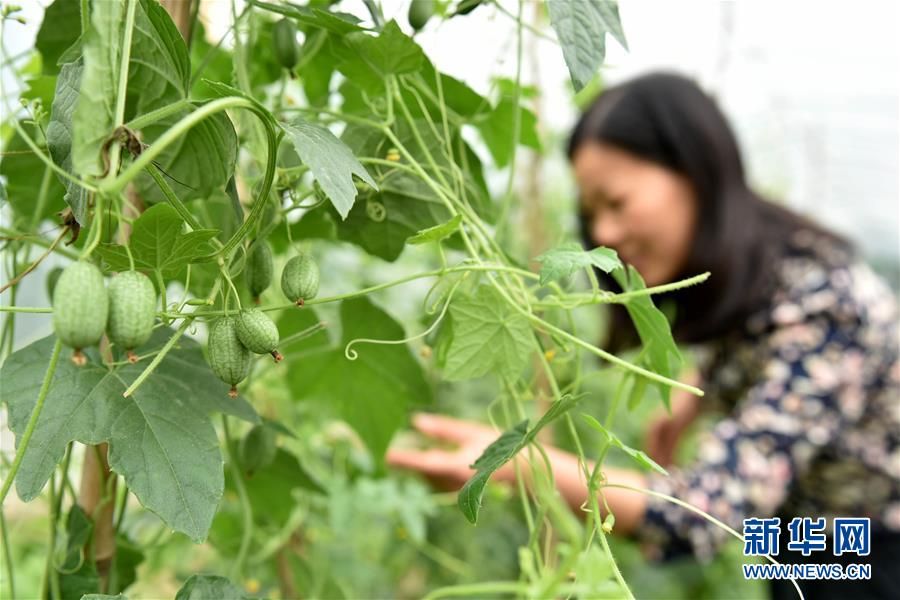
(352, 354)
(180, 128)
(32, 421)
(697, 511)
(246, 508)
(7, 556)
(33, 266)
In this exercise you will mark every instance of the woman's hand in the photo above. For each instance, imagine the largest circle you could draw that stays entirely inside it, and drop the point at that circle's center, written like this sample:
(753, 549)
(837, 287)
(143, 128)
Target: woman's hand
(665, 429)
(448, 469)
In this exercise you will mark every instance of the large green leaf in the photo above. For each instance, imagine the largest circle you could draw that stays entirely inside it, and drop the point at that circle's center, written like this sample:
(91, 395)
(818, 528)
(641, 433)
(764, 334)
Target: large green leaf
(501, 451)
(331, 162)
(489, 336)
(660, 350)
(496, 127)
(161, 438)
(197, 164)
(270, 488)
(392, 52)
(371, 393)
(94, 116)
(159, 70)
(24, 172)
(158, 74)
(566, 259)
(59, 135)
(581, 26)
(57, 33)
(158, 242)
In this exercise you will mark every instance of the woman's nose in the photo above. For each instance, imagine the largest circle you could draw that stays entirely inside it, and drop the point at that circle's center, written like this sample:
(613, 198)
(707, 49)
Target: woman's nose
(608, 231)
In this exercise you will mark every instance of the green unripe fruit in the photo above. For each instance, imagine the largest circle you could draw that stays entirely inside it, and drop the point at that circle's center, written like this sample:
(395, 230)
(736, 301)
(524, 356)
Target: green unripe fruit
(467, 6)
(80, 307)
(52, 278)
(132, 311)
(300, 279)
(284, 42)
(228, 357)
(258, 332)
(259, 269)
(257, 449)
(419, 13)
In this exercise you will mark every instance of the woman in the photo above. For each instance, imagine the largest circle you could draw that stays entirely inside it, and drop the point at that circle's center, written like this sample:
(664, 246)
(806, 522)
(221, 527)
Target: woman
(796, 338)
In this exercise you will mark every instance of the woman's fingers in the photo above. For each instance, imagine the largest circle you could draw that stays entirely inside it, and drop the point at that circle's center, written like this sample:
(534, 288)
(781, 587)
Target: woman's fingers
(429, 462)
(445, 428)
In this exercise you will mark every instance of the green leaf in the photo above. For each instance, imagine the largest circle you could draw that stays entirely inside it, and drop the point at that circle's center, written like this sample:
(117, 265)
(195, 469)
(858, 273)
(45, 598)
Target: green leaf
(59, 135)
(331, 162)
(371, 393)
(196, 164)
(436, 233)
(335, 22)
(79, 528)
(315, 70)
(158, 242)
(94, 116)
(392, 52)
(613, 440)
(661, 352)
(496, 127)
(103, 597)
(581, 26)
(24, 172)
(159, 69)
(57, 34)
(408, 204)
(161, 438)
(566, 259)
(158, 74)
(458, 97)
(489, 336)
(128, 558)
(270, 489)
(205, 587)
(78, 574)
(501, 451)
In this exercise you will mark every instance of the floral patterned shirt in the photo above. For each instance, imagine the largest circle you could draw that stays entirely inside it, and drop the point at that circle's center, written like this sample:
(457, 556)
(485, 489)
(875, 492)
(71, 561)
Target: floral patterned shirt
(811, 390)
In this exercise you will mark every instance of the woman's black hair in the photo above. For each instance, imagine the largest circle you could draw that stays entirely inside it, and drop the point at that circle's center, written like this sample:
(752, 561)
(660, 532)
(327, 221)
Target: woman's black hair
(667, 119)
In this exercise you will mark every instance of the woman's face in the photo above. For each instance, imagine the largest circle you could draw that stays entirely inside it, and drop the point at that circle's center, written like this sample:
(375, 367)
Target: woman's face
(643, 211)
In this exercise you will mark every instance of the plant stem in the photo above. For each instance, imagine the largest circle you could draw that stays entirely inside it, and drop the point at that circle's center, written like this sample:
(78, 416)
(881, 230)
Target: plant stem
(479, 589)
(516, 125)
(246, 509)
(158, 358)
(695, 510)
(8, 558)
(174, 200)
(141, 121)
(15, 280)
(51, 575)
(85, 16)
(32, 421)
(25, 309)
(115, 151)
(623, 297)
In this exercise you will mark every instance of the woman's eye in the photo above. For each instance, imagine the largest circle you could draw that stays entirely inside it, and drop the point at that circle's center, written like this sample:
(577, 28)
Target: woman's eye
(615, 205)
